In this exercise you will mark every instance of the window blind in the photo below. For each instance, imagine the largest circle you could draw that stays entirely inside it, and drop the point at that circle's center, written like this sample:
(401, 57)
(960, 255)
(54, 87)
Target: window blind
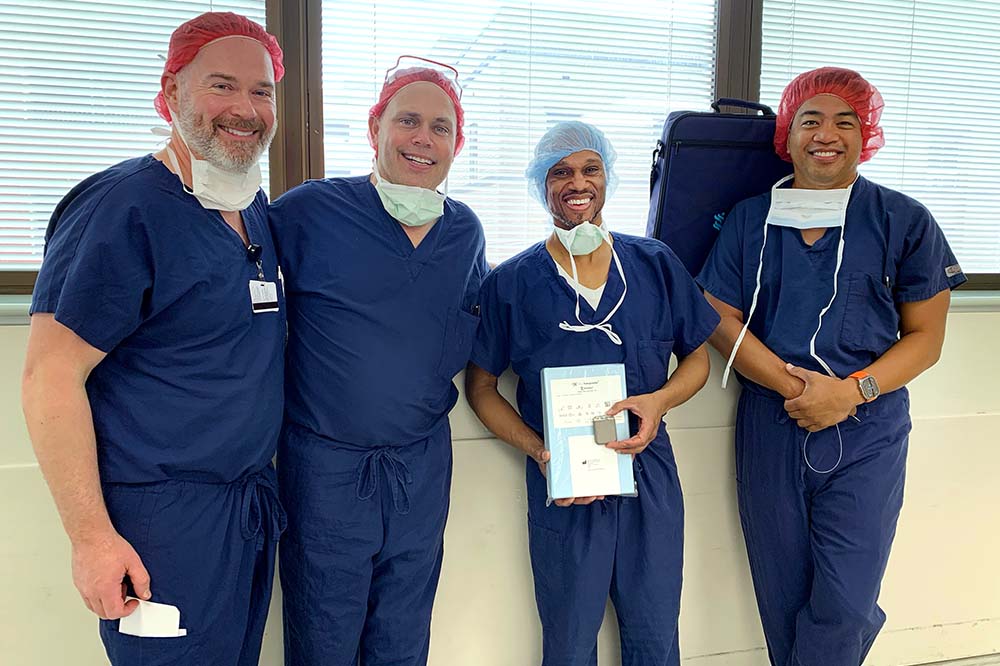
(76, 96)
(524, 66)
(937, 64)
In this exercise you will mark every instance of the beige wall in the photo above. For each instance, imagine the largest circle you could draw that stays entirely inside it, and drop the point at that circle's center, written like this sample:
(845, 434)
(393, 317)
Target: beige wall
(941, 594)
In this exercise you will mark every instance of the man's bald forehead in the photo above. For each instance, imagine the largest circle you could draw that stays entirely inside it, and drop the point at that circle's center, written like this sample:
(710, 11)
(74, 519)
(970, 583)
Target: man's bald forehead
(408, 94)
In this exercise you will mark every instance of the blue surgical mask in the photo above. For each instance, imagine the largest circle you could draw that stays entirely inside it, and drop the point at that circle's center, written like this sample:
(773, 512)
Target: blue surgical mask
(412, 206)
(582, 239)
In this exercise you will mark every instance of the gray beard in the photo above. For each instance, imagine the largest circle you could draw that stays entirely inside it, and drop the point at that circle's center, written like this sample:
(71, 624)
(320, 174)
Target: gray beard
(202, 140)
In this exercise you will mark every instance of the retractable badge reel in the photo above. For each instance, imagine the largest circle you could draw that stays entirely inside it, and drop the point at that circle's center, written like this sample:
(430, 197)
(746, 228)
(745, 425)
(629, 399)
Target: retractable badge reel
(263, 294)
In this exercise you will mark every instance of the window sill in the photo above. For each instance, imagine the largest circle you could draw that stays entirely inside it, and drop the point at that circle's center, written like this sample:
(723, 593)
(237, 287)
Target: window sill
(975, 301)
(14, 309)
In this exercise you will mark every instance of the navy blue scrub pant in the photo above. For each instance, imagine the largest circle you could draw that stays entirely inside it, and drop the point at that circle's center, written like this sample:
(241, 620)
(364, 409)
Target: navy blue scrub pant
(209, 549)
(361, 559)
(818, 543)
(629, 547)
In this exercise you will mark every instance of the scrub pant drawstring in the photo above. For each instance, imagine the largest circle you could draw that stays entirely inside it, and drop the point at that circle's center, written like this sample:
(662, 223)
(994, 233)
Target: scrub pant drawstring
(396, 472)
(784, 418)
(259, 499)
(840, 453)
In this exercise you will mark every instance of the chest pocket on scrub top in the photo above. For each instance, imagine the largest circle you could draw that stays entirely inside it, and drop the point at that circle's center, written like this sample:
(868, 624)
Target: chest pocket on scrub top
(871, 323)
(459, 334)
(648, 369)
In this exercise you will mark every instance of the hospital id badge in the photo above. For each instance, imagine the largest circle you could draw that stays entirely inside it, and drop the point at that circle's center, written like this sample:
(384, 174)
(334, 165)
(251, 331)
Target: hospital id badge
(263, 296)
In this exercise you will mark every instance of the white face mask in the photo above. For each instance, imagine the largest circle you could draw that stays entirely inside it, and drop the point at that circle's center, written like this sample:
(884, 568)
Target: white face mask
(571, 239)
(807, 209)
(582, 239)
(215, 188)
(800, 209)
(410, 205)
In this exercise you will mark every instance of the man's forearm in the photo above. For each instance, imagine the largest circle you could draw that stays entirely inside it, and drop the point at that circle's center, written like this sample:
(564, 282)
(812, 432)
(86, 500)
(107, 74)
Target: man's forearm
(922, 324)
(689, 377)
(754, 360)
(61, 428)
(500, 417)
(905, 360)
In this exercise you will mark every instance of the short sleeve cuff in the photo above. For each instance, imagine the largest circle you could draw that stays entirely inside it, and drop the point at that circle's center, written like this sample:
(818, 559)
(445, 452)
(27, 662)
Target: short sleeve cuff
(727, 295)
(925, 292)
(706, 327)
(483, 360)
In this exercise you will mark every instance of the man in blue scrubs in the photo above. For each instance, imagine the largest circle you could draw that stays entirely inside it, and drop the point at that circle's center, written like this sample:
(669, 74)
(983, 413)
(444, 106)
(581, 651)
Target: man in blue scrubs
(153, 382)
(834, 292)
(382, 274)
(584, 297)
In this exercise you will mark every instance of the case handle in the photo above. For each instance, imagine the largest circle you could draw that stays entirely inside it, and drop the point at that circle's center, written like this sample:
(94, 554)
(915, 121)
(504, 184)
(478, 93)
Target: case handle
(743, 104)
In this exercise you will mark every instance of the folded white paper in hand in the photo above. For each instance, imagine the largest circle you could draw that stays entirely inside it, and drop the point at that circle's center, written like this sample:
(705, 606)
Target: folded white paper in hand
(152, 620)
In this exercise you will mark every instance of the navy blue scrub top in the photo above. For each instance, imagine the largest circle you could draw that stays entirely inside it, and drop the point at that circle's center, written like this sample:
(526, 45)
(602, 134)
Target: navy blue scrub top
(377, 329)
(894, 252)
(191, 387)
(524, 299)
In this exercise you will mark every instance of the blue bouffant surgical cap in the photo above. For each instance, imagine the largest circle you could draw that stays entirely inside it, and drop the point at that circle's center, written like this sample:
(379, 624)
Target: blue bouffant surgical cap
(565, 139)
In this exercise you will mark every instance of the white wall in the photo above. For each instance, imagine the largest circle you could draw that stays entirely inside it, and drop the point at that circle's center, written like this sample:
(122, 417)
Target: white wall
(941, 594)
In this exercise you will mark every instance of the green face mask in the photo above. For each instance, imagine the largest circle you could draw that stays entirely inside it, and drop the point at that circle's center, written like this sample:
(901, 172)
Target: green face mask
(584, 238)
(412, 206)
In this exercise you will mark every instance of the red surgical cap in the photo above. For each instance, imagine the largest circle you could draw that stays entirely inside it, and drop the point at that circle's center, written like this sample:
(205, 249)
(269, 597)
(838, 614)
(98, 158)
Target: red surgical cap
(846, 84)
(405, 77)
(190, 37)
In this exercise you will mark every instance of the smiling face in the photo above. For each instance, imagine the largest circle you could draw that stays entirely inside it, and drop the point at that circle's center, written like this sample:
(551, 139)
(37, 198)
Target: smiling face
(223, 103)
(415, 136)
(575, 188)
(824, 142)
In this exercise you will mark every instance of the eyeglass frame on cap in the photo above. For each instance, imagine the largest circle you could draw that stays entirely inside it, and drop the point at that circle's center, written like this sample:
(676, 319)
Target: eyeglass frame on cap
(452, 79)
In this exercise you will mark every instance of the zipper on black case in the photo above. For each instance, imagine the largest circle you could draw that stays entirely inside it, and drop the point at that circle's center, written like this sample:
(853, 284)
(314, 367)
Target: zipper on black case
(719, 143)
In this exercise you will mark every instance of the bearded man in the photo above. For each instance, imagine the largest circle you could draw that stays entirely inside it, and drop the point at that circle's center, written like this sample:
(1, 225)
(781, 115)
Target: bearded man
(153, 383)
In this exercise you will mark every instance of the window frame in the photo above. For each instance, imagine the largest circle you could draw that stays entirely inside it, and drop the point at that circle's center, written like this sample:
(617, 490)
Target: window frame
(297, 154)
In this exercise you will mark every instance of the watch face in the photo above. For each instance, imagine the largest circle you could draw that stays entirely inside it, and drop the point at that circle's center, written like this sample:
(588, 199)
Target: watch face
(869, 388)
